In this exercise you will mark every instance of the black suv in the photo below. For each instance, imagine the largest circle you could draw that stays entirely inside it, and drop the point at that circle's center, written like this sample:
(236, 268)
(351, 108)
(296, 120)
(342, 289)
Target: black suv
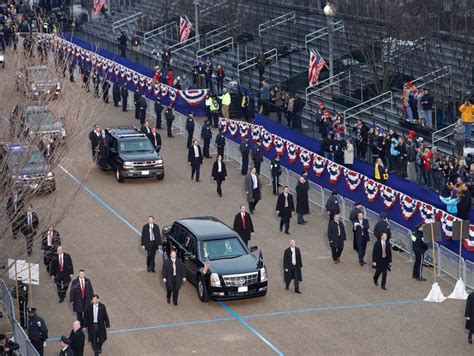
(38, 82)
(131, 154)
(26, 167)
(216, 259)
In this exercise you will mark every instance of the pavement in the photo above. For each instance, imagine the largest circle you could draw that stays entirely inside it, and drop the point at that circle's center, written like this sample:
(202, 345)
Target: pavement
(340, 311)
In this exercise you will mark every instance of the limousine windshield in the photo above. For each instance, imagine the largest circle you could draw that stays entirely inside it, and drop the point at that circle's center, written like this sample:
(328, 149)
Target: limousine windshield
(221, 249)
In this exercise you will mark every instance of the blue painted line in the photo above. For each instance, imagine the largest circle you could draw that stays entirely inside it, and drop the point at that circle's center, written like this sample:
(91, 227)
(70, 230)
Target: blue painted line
(100, 200)
(248, 326)
(329, 308)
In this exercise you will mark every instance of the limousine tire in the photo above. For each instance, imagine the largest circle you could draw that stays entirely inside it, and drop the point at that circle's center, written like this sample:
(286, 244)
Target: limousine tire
(202, 290)
(119, 175)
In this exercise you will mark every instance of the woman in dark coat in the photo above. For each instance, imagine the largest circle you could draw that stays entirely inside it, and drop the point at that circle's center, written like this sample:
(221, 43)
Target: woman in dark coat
(219, 173)
(470, 316)
(302, 203)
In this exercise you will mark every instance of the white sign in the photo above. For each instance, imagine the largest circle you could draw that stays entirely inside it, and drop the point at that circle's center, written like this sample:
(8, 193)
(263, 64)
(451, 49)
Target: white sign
(23, 271)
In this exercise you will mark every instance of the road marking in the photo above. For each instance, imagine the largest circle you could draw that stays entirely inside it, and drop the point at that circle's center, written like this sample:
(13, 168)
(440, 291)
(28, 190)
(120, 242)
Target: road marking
(250, 327)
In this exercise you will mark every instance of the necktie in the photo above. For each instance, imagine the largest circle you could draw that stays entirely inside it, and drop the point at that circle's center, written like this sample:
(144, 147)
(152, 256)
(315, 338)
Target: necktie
(384, 254)
(293, 257)
(152, 236)
(174, 269)
(60, 263)
(243, 221)
(30, 220)
(50, 238)
(286, 201)
(83, 291)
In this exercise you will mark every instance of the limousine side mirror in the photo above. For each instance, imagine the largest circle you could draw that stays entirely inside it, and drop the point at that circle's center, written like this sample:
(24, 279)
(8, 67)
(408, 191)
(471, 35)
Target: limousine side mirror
(253, 248)
(189, 256)
(166, 229)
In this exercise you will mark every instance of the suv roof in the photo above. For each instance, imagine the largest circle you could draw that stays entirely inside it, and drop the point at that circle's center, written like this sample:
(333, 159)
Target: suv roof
(17, 146)
(124, 132)
(207, 228)
(37, 108)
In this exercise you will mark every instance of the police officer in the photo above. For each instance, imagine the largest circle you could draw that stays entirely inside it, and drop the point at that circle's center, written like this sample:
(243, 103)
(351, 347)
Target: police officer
(419, 248)
(22, 302)
(190, 129)
(124, 95)
(332, 205)
(257, 156)
(105, 90)
(220, 143)
(214, 109)
(382, 226)
(206, 135)
(208, 103)
(136, 97)
(169, 116)
(276, 173)
(244, 150)
(158, 110)
(142, 106)
(37, 330)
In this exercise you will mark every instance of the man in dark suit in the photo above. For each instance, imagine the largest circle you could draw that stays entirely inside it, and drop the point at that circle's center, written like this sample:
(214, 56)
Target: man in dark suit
(469, 314)
(116, 92)
(220, 143)
(151, 241)
(62, 270)
(332, 205)
(29, 227)
(50, 240)
(173, 275)
(124, 95)
(142, 106)
(195, 159)
(381, 259)
(252, 186)
(146, 129)
(155, 139)
(275, 168)
(302, 199)
(361, 236)
(206, 135)
(382, 226)
(292, 265)
(336, 236)
(219, 172)
(96, 320)
(78, 339)
(66, 349)
(190, 129)
(169, 116)
(81, 295)
(158, 111)
(94, 137)
(14, 209)
(136, 96)
(245, 151)
(257, 156)
(284, 208)
(243, 225)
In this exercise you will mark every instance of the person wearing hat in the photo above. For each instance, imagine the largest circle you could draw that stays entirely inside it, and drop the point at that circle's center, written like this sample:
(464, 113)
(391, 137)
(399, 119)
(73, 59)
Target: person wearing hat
(66, 349)
(169, 116)
(332, 205)
(78, 339)
(190, 129)
(382, 226)
(158, 110)
(37, 330)
(276, 171)
(257, 156)
(116, 92)
(214, 110)
(419, 249)
(124, 97)
(142, 106)
(7, 346)
(244, 151)
(220, 143)
(206, 135)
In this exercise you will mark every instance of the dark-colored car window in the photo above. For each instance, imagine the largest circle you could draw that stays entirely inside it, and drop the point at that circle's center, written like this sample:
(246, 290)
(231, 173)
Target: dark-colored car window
(221, 249)
(189, 244)
(181, 236)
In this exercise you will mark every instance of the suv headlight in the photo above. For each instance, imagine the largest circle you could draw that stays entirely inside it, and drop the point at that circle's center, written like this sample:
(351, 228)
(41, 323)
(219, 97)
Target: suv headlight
(215, 281)
(58, 86)
(63, 132)
(33, 87)
(50, 175)
(263, 274)
(128, 164)
(160, 161)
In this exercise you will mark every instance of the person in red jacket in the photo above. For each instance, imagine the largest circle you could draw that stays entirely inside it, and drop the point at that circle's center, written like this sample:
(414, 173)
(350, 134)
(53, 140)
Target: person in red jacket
(170, 77)
(426, 159)
(157, 76)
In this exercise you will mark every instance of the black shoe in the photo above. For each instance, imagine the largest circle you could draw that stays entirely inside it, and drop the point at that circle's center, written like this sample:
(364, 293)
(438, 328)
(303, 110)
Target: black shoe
(61, 300)
(148, 270)
(421, 279)
(469, 340)
(168, 300)
(197, 180)
(383, 287)
(414, 277)
(220, 195)
(175, 303)
(281, 228)
(287, 232)
(376, 283)
(287, 287)
(152, 270)
(297, 291)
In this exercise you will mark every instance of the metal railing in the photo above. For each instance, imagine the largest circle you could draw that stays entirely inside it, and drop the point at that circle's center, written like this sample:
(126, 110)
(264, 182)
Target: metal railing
(167, 28)
(220, 31)
(213, 8)
(192, 41)
(276, 21)
(315, 35)
(316, 89)
(252, 62)
(218, 46)
(379, 100)
(125, 21)
(26, 348)
(438, 74)
(403, 49)
(447, 128)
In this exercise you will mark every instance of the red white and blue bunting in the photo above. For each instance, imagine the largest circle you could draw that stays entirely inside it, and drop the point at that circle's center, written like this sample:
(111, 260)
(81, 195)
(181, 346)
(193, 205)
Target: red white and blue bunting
(267, 140)
(292, 151)
(256, 132)
(408, 205)
(279, 145)
(222, 125)
(353, 179)
(193, 97)
(244, 128)
(305, 158)
(319, 163)
(233, 127)
(469, 243)
(447, 225)
(334, 171)
(428, 213)
(389, 196)
(371, 189)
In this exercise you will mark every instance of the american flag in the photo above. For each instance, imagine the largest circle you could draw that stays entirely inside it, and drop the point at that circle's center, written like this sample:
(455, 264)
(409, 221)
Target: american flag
(316, 64)
(185, 27)
(260, 259)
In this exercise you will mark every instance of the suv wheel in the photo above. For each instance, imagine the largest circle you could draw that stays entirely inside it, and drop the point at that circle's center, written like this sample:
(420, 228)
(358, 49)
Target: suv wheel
(202, 290)
(119, 175)
(160, 176)
(52, 188)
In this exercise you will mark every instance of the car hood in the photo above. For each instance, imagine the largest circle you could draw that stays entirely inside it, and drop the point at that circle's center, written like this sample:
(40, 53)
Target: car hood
(50, 127)
(238, 265)
(140, 156)
(30, 170)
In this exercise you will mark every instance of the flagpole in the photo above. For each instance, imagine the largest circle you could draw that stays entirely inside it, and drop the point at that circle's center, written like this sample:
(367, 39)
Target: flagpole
(196, 18)
(460, 248)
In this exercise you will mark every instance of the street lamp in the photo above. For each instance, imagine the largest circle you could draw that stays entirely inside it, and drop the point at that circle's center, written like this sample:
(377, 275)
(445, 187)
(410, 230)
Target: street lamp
(196, 4)
(330, 13)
